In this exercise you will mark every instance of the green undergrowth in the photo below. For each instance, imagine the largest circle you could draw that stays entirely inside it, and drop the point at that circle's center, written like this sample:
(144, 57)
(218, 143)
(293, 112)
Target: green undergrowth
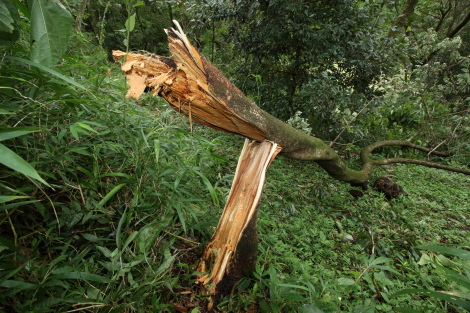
(133, 195)
(324, 251)
(127, 186)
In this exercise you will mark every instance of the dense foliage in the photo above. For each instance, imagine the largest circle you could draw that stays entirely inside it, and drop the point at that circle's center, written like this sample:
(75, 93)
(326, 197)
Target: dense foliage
(105, 203)
(328, 59)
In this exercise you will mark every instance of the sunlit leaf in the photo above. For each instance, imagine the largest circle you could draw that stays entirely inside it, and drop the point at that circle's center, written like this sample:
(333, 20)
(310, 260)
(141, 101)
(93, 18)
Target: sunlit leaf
(74, 132)
(4, 112)
(83, 125)
(130, 23)
(346, 281)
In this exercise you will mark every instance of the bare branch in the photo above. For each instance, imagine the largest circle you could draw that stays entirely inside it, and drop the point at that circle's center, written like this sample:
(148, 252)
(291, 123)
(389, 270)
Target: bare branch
(369, 164)
(421, 162)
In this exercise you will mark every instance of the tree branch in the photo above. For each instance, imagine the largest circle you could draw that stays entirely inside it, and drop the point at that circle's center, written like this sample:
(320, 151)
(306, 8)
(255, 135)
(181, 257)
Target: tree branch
(456, 30)
(194, 87)
(369, 165)
(420, 162)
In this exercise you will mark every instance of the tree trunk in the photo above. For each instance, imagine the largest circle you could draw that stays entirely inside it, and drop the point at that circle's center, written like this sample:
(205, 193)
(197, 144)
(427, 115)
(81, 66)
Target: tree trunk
(233, 248)
(79, 19)
(194, 87)
(454, 31)
(402, 21)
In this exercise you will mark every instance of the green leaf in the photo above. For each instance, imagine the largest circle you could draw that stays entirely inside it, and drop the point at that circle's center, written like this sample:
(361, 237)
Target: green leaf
(105, 251)
(447, 250)
(110, 194)
(74, 132)
(130, 23)
(454, 276)
(4, 199)
(81, 275)
(17, 284)
(380, 260)
(7, 21)
(17, 163)
(22, 8)
(83, 125)
(363, 309)
(308, 308)
(4, 112)
(346, 281)
(51, 26)
(436, 294)
(9, 29)
(166, 263)
(48, 70)
(209, 187)
(138, 4)
(292, 286)
(9, 133)
(78, 128)
(115, 175)
(406, 310)
(156, 147)
(92, 238)
(16, 204)
(129, 240)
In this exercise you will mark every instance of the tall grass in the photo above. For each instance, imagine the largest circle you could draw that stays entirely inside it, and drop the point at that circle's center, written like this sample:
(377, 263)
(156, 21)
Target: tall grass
(124, 183)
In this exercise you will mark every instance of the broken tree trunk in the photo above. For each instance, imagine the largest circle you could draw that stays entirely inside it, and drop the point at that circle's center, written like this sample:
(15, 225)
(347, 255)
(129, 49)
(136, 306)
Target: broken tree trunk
(194, 87)
(233, 247)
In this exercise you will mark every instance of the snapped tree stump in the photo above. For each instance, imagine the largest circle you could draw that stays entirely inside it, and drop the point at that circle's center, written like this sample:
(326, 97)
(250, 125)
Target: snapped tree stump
(233, 248)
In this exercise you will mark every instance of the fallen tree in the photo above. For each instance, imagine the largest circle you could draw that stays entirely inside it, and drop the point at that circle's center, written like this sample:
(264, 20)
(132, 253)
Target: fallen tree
(194, 87)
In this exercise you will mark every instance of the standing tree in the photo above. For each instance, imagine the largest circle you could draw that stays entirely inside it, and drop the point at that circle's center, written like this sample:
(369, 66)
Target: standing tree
(194, 87)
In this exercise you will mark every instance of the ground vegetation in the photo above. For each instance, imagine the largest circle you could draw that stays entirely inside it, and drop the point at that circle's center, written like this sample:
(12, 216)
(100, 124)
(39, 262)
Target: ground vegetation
(107, 203)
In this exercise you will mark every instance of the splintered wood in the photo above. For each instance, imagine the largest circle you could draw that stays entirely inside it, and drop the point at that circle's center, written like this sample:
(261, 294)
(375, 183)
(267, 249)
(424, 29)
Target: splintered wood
(184, 81)
(240, 208)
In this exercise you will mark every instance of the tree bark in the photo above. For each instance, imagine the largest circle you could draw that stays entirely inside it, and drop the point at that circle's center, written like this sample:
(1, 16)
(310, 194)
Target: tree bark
(79, 19)
(232, 250)
(452, 32)
(194, 87)
(402, 20)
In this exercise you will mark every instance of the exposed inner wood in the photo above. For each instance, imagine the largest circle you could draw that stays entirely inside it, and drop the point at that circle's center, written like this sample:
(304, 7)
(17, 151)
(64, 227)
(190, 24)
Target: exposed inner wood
(183, 81)
(240, 208)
